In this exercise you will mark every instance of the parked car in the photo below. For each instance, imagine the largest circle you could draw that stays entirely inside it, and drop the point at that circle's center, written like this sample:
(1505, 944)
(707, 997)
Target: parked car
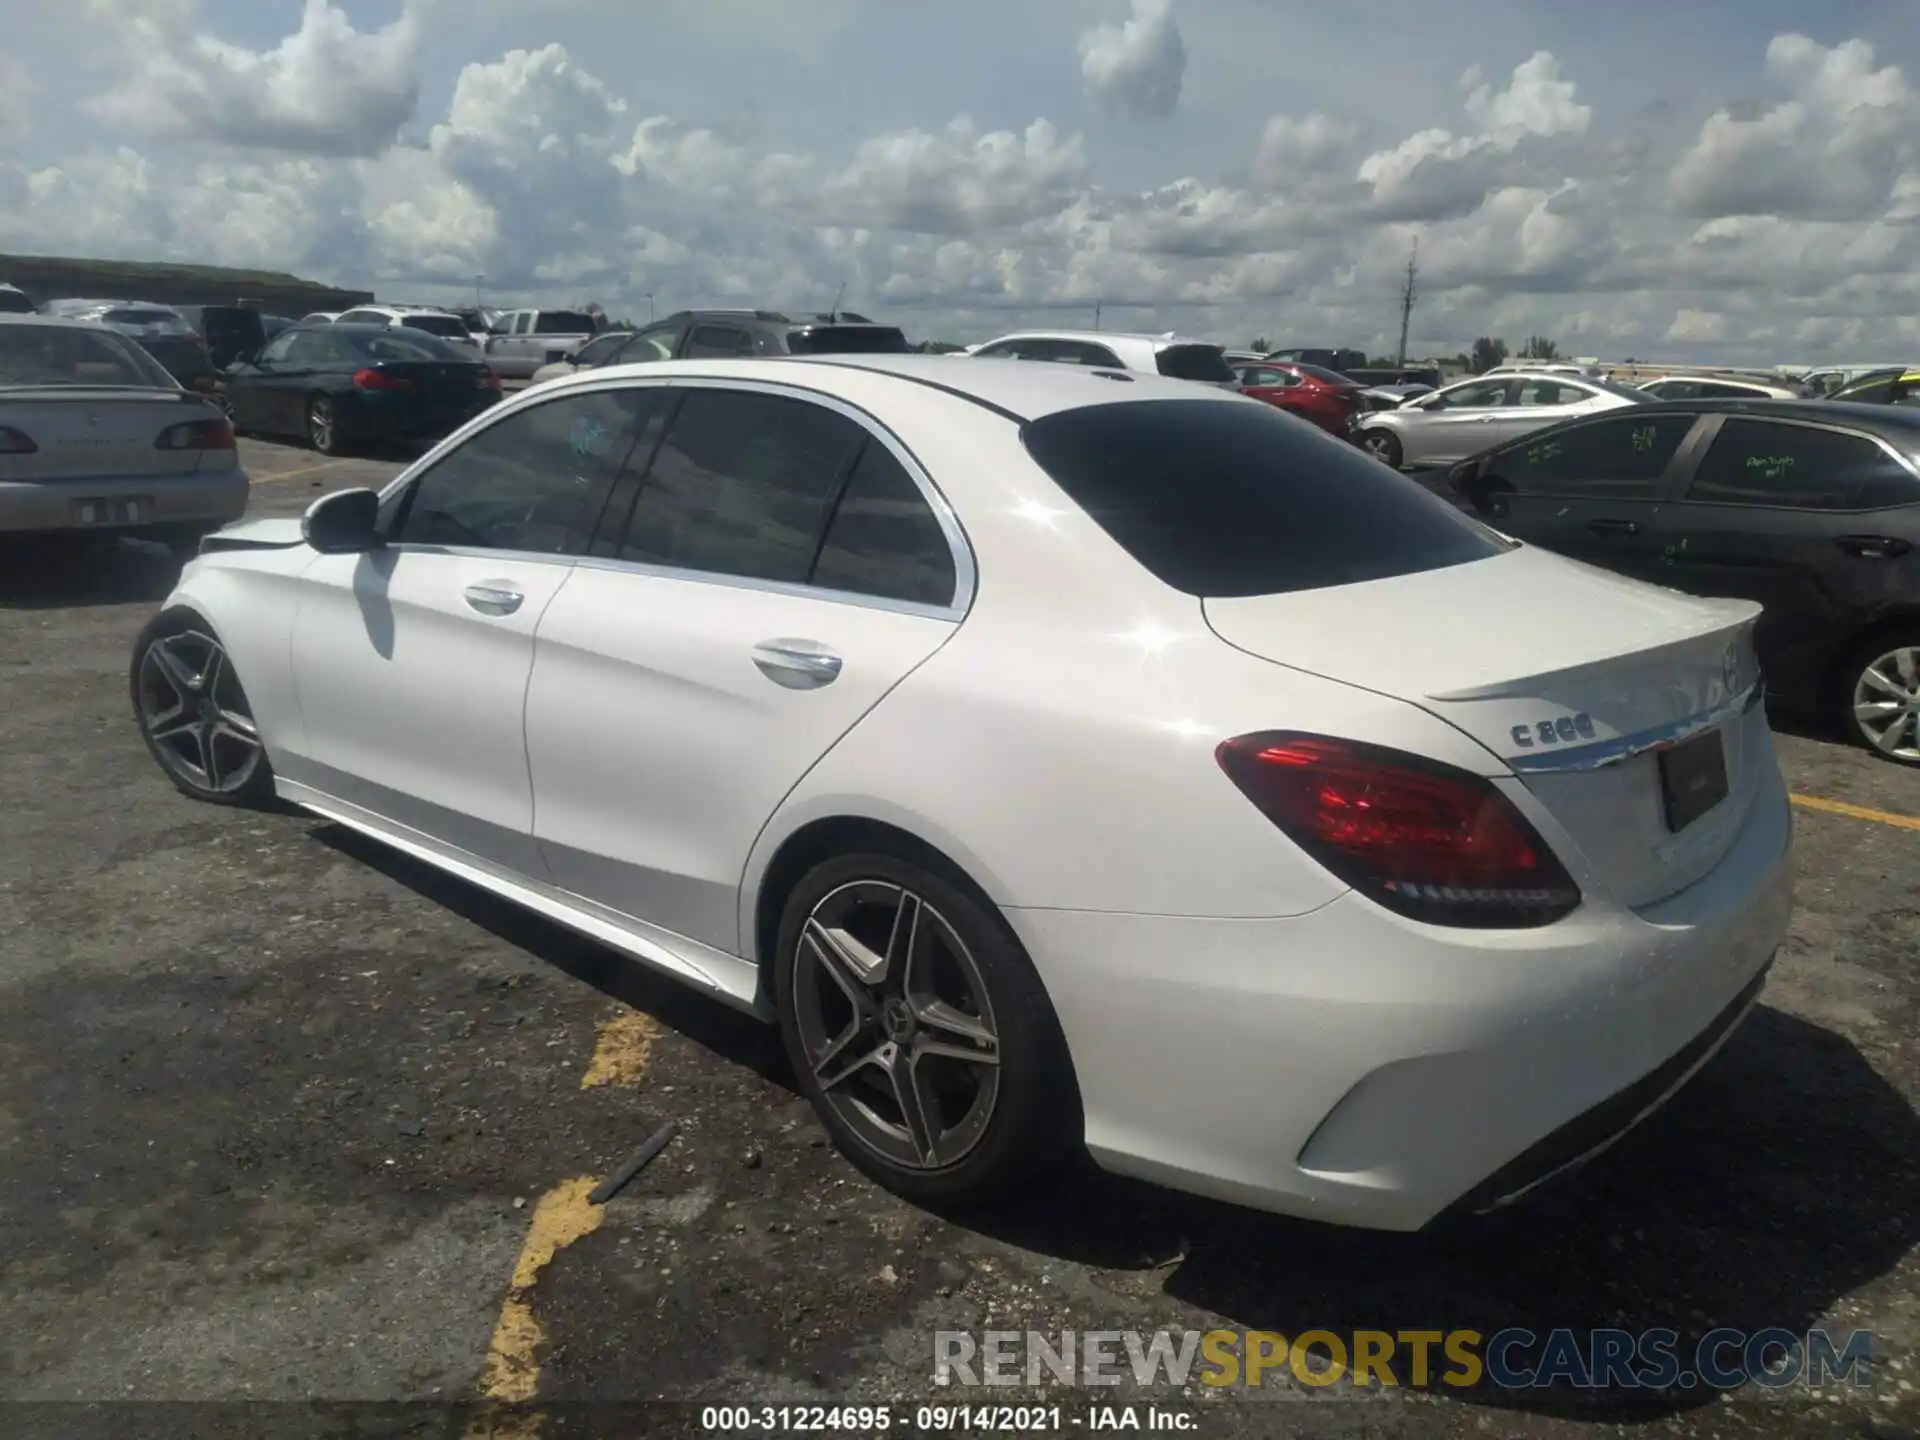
(229, 332)
(1338, 360)
(161, 330)
(1391, 397)
(1811, 508)
(274, 324)
(722, 334)
(1462, 419)
(15, 301)
(96, 437)
(340, 385)
(521, 341)
(1896, 387)
(1168, 354)
(1318, 396)
(1717, 387)
(443, 323)
(1823, 384)
(1396, 377)
(318, 317)
(999, 731)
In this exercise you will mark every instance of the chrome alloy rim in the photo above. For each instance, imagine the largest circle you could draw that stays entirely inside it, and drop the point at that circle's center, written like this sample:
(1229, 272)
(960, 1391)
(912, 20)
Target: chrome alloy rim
(896, 1025)
(1376, 443)
(320, 425)
(1886, 702)
(193, 710)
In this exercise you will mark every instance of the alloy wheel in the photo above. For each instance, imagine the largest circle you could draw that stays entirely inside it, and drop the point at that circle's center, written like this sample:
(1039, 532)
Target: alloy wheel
(194, 712)
(1886, 703)
(1380, 445)
(320, 425)
(895, 1022)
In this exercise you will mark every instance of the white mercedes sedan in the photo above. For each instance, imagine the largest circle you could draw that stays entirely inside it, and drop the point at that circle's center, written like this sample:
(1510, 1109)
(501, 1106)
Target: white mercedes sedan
(1061, 758)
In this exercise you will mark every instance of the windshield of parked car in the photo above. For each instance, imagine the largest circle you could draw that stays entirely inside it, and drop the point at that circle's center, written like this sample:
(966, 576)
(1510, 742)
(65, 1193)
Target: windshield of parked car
(847, 340)
(397, 344)
(62, 355)
(1222, 498)
(436, 325)
(563, 322)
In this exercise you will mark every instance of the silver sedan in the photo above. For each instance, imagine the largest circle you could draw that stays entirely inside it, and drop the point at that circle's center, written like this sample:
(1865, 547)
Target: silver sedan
(1465, 418)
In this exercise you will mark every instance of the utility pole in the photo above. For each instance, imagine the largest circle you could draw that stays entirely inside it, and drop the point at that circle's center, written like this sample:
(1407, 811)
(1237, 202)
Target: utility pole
(1096, 314)
(1406, 300)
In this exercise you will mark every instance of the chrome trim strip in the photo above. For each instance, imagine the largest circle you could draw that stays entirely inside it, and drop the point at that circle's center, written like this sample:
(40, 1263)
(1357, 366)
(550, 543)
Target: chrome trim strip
(1604, 753)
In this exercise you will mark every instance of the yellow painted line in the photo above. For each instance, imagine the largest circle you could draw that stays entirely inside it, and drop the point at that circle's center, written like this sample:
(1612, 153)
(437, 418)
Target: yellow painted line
(294, 474)
(1858, 812)
(563, 1215)
(620, 1055)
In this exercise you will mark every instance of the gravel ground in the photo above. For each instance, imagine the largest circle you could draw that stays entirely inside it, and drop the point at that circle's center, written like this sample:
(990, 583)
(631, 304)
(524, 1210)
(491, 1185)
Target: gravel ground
(289, 1118)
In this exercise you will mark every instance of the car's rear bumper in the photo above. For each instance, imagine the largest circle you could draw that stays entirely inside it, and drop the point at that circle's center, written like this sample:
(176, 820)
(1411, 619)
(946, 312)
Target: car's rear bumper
(1352, 1066)
(206, 499)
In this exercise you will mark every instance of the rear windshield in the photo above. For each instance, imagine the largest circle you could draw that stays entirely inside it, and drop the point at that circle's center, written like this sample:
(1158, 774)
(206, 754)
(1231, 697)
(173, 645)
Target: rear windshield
(1223, 498)
(57, 355)
(142, 317)
(437, 325)
(562, 322)
(1615, 387)
(847, 340)
(1195, 362)
(401, 344)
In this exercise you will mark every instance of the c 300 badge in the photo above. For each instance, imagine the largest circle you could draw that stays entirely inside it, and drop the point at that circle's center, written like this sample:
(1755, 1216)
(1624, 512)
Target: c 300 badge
(1558, 731)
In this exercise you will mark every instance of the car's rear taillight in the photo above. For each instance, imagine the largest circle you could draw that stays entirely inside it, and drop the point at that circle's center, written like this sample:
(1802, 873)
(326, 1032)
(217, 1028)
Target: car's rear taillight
(486, 380)
(1423, 839)
(16, 442)
(379, 380)
(212, 434)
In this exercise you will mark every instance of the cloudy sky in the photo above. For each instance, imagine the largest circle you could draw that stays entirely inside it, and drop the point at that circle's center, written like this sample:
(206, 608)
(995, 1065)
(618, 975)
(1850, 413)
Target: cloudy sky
(1637, 177)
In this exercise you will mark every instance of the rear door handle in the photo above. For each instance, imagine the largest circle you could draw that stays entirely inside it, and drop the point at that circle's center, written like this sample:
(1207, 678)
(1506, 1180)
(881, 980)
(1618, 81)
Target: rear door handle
(797, 664)
(1874, 547)
(494, 597)
(1613, 527)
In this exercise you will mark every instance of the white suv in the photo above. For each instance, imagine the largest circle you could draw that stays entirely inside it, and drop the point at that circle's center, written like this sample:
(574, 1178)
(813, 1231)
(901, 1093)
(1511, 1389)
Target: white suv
(444, 323)
(1171, 355)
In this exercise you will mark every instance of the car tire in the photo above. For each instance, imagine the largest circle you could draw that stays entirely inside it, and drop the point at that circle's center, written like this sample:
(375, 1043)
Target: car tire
(1875, 675)
(1383, 445)
(966, 986)
(193, 714)
(323, 425)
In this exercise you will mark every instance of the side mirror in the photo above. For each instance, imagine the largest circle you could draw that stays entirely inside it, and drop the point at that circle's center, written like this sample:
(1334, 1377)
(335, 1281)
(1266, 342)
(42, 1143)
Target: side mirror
(346, 522)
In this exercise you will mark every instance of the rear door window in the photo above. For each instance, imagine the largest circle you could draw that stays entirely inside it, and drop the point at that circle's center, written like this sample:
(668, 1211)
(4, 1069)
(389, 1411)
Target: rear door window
(1798, 467)
(742, 484)
(1194, 362)
(562, 322)
(884, 538)
(1219, 499)
(1620, 459)
(1480, 395)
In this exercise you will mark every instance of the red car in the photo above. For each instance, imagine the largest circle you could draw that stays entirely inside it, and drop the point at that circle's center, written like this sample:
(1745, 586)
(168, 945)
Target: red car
(1325, 397)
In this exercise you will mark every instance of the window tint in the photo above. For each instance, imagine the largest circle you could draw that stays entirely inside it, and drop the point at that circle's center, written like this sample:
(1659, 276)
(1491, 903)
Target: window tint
(1005, 350)
(742, 485)
(1880, 394)
(1620, 459)
(363, 317)
(1082, 352)
(1194, 362)
(1764, 462)
(1220, 499)
(708, 341)
(1723, 390)
(279, 348)
(396, 343)
(446, 325)
(1548, 392)
(1267, 375)
(309, 347)
(847, 340)
(535, 481)
(1907, 393)
(562, 322)
(654, 344)
(884, 539)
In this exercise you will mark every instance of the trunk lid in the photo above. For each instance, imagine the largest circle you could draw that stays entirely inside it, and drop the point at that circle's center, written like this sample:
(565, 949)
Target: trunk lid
(1502, 647)
(86, 432)
(439, 378)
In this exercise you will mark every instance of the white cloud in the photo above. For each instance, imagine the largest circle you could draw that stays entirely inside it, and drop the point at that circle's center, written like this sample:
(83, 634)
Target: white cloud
(1830, 151)
(327, 89)
(17, 89)
(959, 181)
(1136, 68)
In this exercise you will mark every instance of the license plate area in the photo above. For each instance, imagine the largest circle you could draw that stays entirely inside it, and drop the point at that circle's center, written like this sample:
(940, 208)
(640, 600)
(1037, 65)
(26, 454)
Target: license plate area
(114, 510)
(1693, 779)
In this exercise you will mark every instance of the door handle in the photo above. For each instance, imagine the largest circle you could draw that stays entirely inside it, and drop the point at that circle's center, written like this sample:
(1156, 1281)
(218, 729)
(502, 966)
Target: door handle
(1874, 547)
(1613, 527)
(494, 597)
(796, 664)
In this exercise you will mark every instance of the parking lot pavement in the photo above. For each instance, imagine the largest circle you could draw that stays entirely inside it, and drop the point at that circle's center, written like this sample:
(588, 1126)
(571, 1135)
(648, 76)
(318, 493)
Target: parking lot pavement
(286, 1116)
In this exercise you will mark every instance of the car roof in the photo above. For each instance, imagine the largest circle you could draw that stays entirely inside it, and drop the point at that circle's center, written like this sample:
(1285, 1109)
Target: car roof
(64, 322)
(1017, 390)
(1103, 337)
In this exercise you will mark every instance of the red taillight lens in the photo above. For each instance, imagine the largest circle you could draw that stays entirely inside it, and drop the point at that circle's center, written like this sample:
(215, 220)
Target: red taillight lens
(1423, 839)
(16, 442)
(379, 380)
(214, 434)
